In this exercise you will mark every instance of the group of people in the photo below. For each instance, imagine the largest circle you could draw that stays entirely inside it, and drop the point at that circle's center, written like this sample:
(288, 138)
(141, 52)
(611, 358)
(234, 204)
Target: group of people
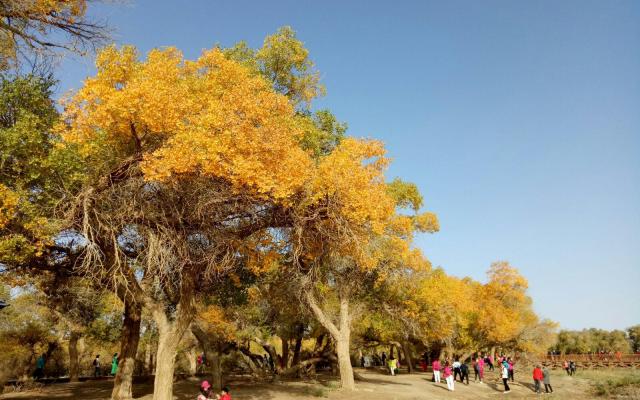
(97, 365)
(570, 367)
(206, 392)
(451, 372)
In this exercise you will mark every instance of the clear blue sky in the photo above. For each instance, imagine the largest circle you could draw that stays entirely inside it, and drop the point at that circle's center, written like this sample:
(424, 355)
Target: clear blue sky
(519, 121)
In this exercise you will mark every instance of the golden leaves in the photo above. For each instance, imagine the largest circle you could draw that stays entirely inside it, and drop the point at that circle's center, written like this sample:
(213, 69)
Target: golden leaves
(211, 117)
(8, 205)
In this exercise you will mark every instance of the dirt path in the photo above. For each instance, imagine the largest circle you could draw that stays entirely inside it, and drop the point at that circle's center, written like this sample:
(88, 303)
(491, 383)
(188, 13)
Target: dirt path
(377, 386)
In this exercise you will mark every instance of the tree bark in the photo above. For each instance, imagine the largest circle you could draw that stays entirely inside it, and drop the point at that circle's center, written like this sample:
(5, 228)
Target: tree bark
(74, 364)
(166, 358)
(129, 339)
(342, 336)
(192, 356)
(407, 356)
(212, 353)
(284, 362)
(170, 332)
(298, 346)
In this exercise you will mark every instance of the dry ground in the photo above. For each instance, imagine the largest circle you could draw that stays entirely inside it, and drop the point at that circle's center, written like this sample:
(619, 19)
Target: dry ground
(377, 386)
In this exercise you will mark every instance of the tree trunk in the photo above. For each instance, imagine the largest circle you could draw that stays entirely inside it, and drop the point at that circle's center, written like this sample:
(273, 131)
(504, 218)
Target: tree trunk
(74, 364)
(212, 353)
(298, 346)
(216, 370)
(166, 359)
(129, 338)
(344, 363)
(284, 362)
(407, 356)
(341, 336)
(192, 361)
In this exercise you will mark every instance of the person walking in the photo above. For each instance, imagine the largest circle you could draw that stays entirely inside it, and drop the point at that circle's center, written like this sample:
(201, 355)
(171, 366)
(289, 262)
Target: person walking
(505, 376)
(393, 365)
(546, 378)
(511, 370)
(476, 372)
(537, 378)
(572, 368)
(456, 370)
(565, 365)
(39, 372)
(384, 358)
(481, 369)
(464, 372)
(96, 366)
(448, 376)
(436, 370)
(114, 364)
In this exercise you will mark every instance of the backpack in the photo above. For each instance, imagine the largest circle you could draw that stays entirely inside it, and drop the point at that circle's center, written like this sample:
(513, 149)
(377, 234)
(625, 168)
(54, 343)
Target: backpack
(95, 362)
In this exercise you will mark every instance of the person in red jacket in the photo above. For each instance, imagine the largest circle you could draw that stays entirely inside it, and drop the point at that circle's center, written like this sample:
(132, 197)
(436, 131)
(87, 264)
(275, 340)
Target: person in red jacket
(537, 377)
(224, 395)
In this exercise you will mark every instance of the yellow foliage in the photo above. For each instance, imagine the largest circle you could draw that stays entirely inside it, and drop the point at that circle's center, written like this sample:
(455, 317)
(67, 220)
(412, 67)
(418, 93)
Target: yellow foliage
(8, 205)
(217, 322)
(211, 116)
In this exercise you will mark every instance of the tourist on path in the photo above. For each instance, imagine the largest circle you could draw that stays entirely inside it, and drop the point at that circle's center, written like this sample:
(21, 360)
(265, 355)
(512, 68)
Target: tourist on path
(511, 368)
(39, 372)
(476, 371)
(505, 376)
(464, 372)
(481, 369)
(448, 376)
(96, 366)
(114, 364)
(436, 370)
(456, 370)
(205, 391)
(546, 378)
(224, 395)
(565, 365)
(393, 365)
(572, 367)
(537, 378)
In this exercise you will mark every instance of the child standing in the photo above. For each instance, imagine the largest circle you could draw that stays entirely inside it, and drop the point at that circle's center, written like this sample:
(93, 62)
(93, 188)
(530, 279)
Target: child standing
(225, 395)
(205, 391)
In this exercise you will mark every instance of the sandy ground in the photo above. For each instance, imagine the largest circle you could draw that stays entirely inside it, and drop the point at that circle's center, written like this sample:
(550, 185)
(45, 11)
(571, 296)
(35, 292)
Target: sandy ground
(377, 386)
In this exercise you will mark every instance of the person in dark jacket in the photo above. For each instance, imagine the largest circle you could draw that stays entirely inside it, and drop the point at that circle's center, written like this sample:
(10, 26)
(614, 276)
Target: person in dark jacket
(464, 372)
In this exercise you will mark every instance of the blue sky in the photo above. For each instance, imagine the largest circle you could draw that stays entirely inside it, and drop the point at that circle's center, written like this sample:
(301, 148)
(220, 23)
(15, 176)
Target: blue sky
(518, 120)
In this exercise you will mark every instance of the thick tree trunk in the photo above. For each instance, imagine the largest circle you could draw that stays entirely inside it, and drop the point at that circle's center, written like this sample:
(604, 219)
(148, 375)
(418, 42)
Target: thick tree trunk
(284, 362)
(344, 363)
(341, 336)
(192, 360)
(74, 364)
(129, 338)
(216, 370)
(212, 353)
(166, 359)
(407, 356)
(297, 348)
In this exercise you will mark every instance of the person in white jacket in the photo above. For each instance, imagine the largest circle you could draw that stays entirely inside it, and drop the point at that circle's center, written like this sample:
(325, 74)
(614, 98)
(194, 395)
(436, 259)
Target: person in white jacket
(505, 376)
